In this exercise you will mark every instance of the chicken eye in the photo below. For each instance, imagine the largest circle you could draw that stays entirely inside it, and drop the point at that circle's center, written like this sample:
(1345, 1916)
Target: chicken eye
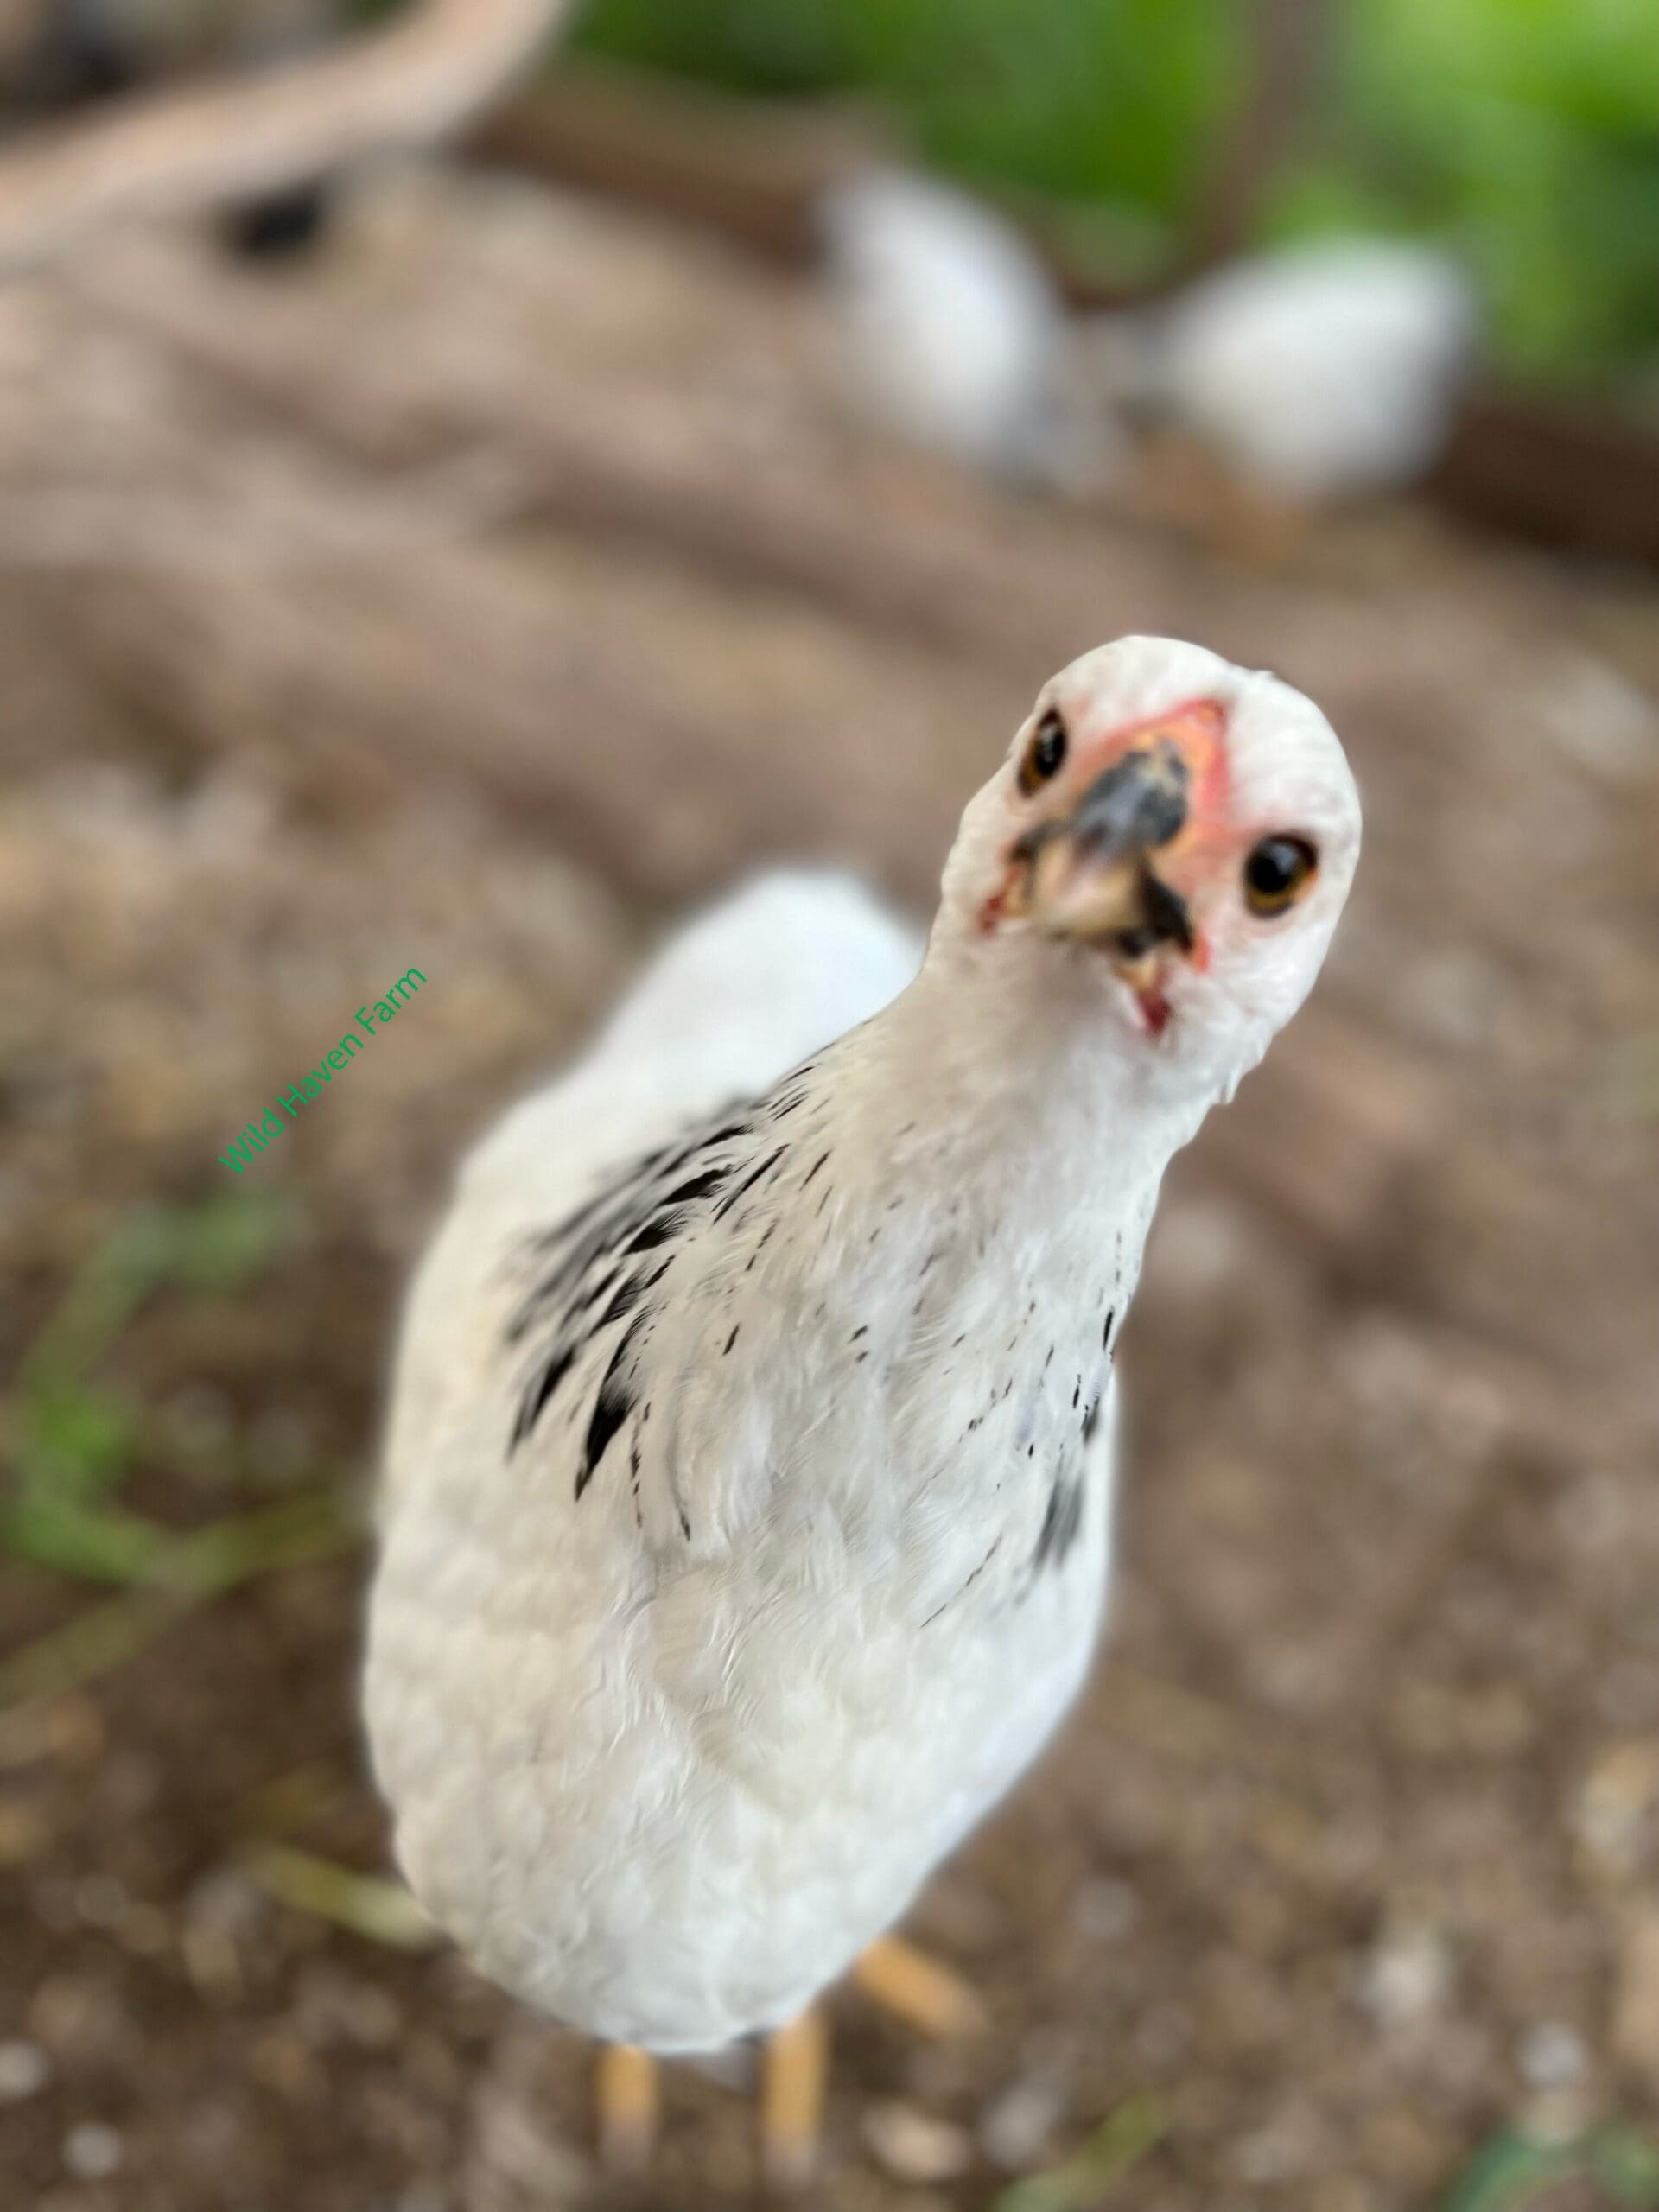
(1045, 753)
(1277, 873)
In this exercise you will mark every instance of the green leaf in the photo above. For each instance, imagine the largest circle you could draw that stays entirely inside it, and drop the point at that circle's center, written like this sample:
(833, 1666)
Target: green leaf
(100, 1544)
(72, 1442)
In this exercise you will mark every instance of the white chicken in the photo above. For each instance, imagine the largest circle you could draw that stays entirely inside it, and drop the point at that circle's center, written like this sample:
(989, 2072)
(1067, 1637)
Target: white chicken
(749, 1491)
(948, 332)
(1319, 371)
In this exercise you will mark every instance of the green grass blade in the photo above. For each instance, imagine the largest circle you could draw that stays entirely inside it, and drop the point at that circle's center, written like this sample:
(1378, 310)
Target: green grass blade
(1118, 2145)
(185, 1573)
(367, 1904)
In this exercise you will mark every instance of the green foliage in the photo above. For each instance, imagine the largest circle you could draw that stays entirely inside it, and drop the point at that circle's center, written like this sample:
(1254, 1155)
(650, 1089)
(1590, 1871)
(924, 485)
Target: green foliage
(73, 1436)
(1527, 132)
(747, 45)
(1524, 131)
(1115, 102)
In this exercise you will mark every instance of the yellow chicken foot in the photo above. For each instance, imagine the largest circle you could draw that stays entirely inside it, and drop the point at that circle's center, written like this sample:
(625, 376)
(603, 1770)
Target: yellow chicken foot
(629, 2098)
(919, 1990)
(795, 2070)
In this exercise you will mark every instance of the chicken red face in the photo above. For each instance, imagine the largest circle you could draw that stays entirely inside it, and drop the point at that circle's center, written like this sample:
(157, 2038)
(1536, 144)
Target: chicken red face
(1183, 829)
(1114, 858)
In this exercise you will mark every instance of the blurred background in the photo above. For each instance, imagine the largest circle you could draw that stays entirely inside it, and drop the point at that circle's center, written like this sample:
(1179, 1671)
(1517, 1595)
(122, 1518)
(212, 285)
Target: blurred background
(464, 557)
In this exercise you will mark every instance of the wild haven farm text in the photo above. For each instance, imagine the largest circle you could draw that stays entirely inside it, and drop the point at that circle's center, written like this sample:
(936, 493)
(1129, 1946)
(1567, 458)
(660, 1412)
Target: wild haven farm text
(259, 1134)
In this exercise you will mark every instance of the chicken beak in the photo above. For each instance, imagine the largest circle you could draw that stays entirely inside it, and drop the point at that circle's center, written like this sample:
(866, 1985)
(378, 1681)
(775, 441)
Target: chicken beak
(1090, 874)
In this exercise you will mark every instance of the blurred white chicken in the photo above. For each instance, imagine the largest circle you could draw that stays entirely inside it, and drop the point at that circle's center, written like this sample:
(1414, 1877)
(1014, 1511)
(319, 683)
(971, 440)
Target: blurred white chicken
(748, 1488)
(949, 333)
(1317, 371)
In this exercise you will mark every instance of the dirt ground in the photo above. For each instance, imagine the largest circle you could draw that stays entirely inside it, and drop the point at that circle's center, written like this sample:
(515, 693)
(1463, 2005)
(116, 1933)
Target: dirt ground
(480, 591)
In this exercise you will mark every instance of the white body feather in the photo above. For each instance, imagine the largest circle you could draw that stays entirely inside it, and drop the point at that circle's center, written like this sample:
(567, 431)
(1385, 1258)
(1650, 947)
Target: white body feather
(666, 1788)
